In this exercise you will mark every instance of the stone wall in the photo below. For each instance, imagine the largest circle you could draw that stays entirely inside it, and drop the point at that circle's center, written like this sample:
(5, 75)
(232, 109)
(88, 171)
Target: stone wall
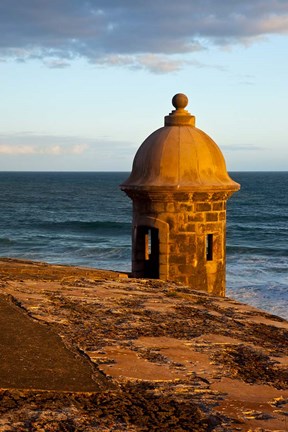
(192, 236)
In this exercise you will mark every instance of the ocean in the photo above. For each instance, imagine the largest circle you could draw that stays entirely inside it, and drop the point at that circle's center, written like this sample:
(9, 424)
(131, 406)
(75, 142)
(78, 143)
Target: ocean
(84, 219)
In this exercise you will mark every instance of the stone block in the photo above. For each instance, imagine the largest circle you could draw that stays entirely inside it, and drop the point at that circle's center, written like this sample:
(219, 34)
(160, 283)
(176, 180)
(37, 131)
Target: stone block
(219, 196)
(181, 218)
(196, 217)
(209, 227)
(202, 206)
(182, 227)
(187, 228)
(191, 227)
(172, 271)
(181, 196)
(201, 196)
(163, 260)
(163, 272)
(186, 207)
(211, 217)
(184, 248)
(222, 215)
(163, 248)
(180, 238)
(218, 205)
(173, 248)
(185, 269)
(177, 259)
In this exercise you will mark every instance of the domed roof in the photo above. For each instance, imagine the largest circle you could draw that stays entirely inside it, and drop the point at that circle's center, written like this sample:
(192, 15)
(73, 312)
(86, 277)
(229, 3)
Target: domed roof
(179, 156)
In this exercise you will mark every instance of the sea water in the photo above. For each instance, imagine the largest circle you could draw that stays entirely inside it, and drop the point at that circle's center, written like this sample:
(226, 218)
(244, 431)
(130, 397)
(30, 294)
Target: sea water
(84, 219)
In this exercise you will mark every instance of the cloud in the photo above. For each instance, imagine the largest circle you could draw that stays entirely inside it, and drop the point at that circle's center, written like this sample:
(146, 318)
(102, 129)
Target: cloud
(29, 144)
(54, 150)
(154, 63)
(56, 64)
(6, 149)
(138, 34)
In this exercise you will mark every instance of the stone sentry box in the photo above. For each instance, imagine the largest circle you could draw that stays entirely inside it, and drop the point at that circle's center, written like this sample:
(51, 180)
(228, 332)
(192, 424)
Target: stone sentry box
(179, 186)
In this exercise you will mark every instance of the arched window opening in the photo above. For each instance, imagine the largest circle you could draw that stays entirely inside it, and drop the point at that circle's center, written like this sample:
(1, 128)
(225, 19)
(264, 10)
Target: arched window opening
(148, 257)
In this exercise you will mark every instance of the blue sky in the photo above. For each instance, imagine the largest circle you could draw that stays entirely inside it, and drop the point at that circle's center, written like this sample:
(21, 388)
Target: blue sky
(83, 83)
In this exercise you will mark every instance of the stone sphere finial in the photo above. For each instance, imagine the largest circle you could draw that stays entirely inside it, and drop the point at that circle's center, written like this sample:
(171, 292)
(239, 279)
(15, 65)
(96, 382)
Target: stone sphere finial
(180, 101)
(180, 116)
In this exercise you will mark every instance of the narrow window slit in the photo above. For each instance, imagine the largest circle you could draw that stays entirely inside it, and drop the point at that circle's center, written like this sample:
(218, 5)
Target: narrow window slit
(209, 247)
(148, 245)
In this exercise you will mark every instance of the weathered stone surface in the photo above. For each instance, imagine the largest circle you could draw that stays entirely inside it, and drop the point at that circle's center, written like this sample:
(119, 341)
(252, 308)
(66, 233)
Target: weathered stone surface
(187, 236)
(178, 359)
(218, 205)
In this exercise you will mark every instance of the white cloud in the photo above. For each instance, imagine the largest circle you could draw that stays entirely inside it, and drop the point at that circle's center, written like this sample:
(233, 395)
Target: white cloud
(30, 144)
(159, 64)
(79, 149)
(53, 150)
(152, 62)
(6, 149)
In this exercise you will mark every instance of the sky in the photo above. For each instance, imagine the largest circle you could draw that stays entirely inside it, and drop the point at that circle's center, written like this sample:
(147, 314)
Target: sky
(83, 83)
